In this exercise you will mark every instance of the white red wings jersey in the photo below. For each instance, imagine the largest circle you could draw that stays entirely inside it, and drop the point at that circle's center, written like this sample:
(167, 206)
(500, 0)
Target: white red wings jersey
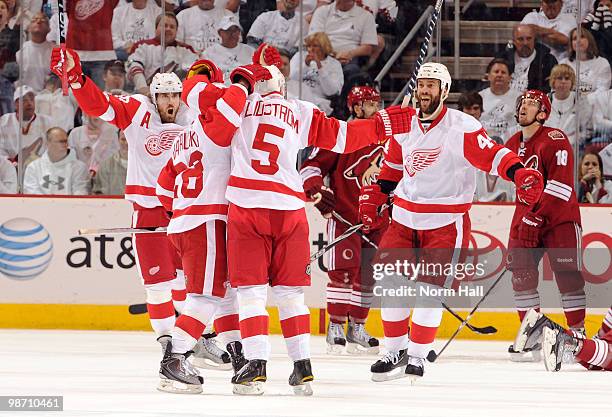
(265, 149)
(149, 140)
(436, 168)
(550, 152)
(192, 184)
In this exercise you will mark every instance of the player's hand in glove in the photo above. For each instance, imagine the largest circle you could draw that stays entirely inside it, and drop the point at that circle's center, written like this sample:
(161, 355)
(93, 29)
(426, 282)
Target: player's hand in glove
(371, 199)
(393, 120)
(322, 196)
(73, 66)
(529, 230)
(529, 185)
(251, 74)
(208, 68)
(267, 55)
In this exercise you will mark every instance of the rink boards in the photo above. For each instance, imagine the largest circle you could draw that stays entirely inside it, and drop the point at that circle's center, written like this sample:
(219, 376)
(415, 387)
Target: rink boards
(52, 278)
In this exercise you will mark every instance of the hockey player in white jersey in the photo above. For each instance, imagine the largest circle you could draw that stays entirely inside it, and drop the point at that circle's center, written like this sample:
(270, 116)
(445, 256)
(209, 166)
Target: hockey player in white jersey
(150, 126)
(267, 226)
(431, 170)
(192, 185)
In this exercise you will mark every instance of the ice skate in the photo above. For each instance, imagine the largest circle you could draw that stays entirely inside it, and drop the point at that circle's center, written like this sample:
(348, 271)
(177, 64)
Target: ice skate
(556, 344)
(527, 345)
(250, 379)
(163, 341)
(235, 351)
(335, 339)
(390, 366)
(176, 375)
(301, 377)
(359, 341)
(533, 354)
(207, 355)
(415, 368)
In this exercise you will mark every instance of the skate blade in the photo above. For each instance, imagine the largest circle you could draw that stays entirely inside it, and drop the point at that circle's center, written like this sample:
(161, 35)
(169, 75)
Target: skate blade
(335, 349)
(303, 390)
(396, 373)
(549, 338)
(176, 387)
(413, 378)
(521, 337)
(531, 356)
(249, 388)
(205, 363)
(357, 349)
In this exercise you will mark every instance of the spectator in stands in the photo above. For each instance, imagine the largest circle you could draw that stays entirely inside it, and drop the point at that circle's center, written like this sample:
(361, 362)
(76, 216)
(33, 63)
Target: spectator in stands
(594, 188)
(321, 73)
(551, 26)
(8, 176)
(352, 32)
(58, 171)
(26, 137)
(89, 33)
(595, 73)
(94, 142)
(499, 101)
(114, 77)
(293, 86)
(530, 63)
(51, 103)
(563, 100)
(9, 36)
(110, 178)
(21, 12)
(36, 54)
(230, 53)
(471, 103)
(145, 61)
(133, 22)
(385, 15)
(278, 28)
(599, 22)
(197, 25)
(7, 89)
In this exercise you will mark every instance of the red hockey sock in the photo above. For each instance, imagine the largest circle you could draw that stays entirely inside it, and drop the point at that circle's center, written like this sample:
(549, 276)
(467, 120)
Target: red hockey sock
(595, 352)
(338, 312)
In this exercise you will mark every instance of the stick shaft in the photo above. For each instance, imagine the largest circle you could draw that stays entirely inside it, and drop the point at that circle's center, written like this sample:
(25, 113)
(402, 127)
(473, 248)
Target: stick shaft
(62, 20)
(122, 231)
(359, 232)
(336, 241)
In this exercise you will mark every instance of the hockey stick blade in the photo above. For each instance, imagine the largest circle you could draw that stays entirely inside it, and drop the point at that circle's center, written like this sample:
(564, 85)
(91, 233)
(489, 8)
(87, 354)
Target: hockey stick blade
(475, 329)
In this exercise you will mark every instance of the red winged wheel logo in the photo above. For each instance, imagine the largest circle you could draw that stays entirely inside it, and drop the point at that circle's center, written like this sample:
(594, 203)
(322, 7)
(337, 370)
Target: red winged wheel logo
(157, 144)
(420, 159)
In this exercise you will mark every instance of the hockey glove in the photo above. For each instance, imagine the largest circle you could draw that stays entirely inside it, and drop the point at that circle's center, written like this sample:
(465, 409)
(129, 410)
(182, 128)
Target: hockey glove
(322, 196)
(393, 120)
(529, 185)
(208, 68)
(267, 55)
(371, 199)
(251, 74)
(529, 230)
(73, 66)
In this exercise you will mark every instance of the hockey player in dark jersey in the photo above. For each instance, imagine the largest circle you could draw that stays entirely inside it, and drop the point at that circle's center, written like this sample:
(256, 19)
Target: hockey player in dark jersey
(552, 225)
(349, 292)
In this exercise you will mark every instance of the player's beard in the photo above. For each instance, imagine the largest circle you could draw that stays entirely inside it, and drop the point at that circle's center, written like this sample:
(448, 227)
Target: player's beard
(166, 116)
(434, 102)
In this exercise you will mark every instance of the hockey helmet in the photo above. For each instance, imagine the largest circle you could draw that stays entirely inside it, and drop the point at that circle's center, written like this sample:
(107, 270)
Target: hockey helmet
(436, 71)
(361, 93)
(538, 96)
(164, 82)
(276, 84)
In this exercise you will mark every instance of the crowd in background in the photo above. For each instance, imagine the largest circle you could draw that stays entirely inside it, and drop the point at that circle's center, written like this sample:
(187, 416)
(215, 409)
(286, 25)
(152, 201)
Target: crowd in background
(327, 47)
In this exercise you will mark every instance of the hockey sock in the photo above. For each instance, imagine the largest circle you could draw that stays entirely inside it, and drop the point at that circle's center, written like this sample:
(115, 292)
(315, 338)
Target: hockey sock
(190, 325)
(294, 320)
(254, 321)
(595, 352)
(360, 305)
(425, 322)
(338, 302)
(574, 307)
(526, 300)
(396, 326)
(179, 291)
(160, 308)
(227, 323)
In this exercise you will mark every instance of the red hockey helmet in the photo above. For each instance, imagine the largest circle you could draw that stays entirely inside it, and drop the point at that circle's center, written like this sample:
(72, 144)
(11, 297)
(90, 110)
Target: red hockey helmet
(361, 93)
(538, 96)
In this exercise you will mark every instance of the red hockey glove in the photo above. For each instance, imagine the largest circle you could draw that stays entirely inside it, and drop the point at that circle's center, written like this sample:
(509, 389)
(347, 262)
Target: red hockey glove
(73, 66)
(322, 196)
(251, 73)
(392, 121)
(267, 55)
(529, 185)
(370, 200)
(208, 68)
(529, 230)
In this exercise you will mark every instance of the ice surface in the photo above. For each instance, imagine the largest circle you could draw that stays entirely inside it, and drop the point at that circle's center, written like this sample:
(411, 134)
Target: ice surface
(115, 374)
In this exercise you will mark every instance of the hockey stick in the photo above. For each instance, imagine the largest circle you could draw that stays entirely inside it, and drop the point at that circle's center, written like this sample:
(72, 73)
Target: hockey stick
(122, 231)
(62, 19)
(432, 355)
(423, 52)
(475, 329)
(336, 241)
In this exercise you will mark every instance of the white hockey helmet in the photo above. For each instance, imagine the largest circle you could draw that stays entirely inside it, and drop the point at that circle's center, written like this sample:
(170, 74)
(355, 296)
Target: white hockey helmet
(437, 71)
(165, 82)
(275, 84)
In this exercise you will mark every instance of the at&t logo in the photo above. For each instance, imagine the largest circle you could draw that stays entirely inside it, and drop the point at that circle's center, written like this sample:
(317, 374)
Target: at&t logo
(26, 249)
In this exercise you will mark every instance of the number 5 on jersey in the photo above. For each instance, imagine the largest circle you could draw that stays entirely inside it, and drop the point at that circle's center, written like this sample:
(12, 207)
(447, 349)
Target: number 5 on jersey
(271, 149)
